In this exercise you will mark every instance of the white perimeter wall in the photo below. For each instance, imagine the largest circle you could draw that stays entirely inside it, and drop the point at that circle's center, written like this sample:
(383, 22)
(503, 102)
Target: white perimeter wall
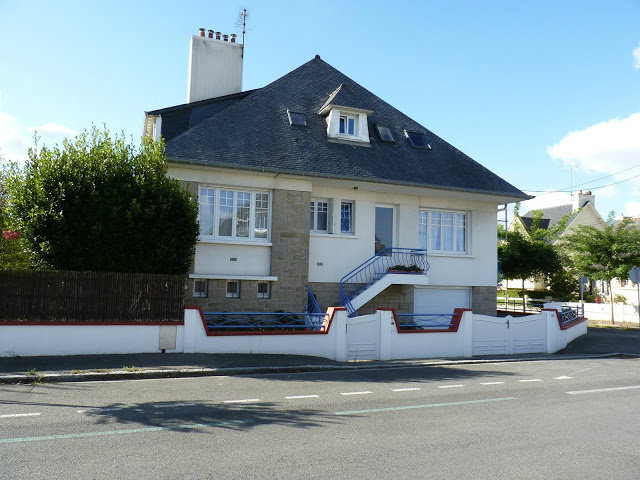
(34, 340)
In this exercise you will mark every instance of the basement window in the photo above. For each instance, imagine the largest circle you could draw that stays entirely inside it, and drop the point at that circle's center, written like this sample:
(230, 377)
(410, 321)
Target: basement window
(200, 288)
(264, 290)
(296, 118)
(233, 289)
(384, 134)
(417, 140)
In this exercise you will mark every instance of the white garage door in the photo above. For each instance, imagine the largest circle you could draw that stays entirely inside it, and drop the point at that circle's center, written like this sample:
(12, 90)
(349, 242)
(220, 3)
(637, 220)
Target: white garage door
(440, 300)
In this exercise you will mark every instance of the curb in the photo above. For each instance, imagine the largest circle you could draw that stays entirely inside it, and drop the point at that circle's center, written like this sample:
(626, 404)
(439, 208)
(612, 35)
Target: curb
(155, 373)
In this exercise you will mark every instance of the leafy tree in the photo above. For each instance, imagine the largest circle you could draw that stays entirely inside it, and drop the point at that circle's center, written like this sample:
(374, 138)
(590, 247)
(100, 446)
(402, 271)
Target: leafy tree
(523, 257)
(605, 254)
(98, 203)
(14, 254)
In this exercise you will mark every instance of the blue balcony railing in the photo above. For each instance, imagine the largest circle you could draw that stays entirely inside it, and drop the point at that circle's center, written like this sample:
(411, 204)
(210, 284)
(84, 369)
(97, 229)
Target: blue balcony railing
(424, 321)
(569, 313)
(264, 321)
(390, 260)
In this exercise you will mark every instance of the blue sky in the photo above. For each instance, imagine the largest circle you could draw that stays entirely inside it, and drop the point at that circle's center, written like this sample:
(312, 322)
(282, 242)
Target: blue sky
(546, 94)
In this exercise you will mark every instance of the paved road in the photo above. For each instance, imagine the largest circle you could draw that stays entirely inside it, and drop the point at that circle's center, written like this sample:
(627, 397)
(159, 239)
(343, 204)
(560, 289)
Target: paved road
(560, 419)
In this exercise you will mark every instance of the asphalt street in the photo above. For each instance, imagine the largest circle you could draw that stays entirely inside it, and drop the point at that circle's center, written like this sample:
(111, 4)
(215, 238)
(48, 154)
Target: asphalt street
(540, 419)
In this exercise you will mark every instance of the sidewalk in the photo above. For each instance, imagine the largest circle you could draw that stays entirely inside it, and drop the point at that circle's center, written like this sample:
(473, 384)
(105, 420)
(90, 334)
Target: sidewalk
(598, 342)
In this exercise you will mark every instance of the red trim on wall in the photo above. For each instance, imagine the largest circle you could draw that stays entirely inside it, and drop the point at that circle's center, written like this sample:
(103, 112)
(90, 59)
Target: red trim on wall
(328, 320)
(93, 324)
(568, 324)
(456, 317)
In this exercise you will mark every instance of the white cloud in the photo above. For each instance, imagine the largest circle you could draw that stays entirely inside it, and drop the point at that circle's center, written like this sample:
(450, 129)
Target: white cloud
(636, 57)
(544, 200)
(606, 147)
(15, 138)
(632, 209)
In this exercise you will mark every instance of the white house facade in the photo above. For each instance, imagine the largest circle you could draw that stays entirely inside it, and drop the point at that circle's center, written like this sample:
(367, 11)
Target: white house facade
(312, 188)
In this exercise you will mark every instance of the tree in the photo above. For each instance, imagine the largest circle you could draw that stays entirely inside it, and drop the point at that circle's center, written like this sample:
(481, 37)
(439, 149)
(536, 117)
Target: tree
(98, 203)
(605, 254)
(14, 254)
(524, 258)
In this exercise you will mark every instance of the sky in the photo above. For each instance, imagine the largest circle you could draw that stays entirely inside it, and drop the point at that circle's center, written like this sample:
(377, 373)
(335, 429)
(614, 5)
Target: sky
(546, 94)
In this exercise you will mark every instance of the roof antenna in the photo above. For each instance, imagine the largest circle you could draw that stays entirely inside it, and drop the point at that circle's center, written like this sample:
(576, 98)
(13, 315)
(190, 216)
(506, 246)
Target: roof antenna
(242, 22)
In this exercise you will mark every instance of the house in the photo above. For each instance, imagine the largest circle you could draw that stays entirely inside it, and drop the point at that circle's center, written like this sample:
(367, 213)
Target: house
(312, 179)
(566, 218)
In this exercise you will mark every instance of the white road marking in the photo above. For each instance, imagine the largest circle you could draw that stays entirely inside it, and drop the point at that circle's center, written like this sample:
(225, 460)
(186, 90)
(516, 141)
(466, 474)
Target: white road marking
(170, 405)
(530, 380)
(293, 397)
(13, 415)
(98, 410)
(405, 389)
(492, 383)
(598, 390)
(244, 400)
(356, 393)
(563, 377)
(450, 386)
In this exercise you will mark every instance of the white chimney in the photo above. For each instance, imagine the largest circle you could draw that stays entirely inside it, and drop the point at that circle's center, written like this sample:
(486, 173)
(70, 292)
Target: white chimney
(215, 68)
(580, 198)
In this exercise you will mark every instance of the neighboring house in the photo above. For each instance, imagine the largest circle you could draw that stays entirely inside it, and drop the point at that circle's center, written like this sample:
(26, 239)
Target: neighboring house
(303, 180)
(581, 212)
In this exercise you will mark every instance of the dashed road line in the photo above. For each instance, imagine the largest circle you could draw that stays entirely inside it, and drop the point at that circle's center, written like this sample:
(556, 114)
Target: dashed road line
(450, 386)
(563, 377)
(366, 392)
(243, 400)
(530, 380)
(171, 405)
(428, 405)
(491, 383)
(599, 390)
(412, 389)
(14, 415)
(295, 397)
(98, 410)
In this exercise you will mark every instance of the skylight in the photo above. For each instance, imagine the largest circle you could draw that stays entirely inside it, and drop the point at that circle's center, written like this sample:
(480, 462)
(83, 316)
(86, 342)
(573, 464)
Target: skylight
(384, 133)
(417, 140)
(296, 118)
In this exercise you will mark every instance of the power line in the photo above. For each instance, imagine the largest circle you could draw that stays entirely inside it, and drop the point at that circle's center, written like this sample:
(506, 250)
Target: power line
(560, 190)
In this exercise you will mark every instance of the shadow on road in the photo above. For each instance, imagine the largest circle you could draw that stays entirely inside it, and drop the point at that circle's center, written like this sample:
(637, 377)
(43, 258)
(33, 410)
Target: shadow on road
(196, 416)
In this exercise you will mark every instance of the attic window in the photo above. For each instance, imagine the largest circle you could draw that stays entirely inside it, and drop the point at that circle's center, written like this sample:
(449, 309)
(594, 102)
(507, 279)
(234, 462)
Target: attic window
(296, 118)
(384, 133)
(347, 125)
(417, 140)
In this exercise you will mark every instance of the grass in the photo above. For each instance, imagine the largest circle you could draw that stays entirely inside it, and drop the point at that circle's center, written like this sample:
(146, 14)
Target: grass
(132, 368)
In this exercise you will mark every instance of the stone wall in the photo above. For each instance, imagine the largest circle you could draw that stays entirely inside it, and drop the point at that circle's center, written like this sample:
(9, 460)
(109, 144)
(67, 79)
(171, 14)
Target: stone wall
(289, 262)
(483, 300)
(398, 297)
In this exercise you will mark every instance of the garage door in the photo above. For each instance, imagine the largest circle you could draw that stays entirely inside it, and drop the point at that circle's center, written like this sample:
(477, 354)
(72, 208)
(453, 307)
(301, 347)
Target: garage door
(440, 300)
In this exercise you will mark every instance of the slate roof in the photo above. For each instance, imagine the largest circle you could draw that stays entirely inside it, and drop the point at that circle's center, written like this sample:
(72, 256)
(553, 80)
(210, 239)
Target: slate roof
(254, 133)
(528, 221)
(550, 215)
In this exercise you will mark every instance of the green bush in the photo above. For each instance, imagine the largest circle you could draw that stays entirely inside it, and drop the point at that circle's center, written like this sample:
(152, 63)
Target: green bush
(100, 204)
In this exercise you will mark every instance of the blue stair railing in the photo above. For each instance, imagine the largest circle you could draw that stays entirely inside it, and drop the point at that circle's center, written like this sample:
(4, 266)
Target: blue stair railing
(390, 260)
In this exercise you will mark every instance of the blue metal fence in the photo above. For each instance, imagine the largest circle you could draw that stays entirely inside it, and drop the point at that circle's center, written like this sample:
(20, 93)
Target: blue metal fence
(390, 260)
(569, 313)
(424, 321)
(264, 321)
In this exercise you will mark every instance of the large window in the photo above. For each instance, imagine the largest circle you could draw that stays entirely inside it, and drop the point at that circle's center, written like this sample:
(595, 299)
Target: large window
(442, 231)
(234, 214)
(319, 215)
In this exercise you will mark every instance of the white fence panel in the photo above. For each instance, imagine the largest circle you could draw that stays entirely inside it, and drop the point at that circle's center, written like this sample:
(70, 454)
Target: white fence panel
(490, 335)
(527, 334)
(363, 337)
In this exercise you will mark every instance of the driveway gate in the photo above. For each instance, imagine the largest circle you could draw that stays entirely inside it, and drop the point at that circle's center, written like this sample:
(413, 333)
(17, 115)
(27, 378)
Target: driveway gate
(509, 335)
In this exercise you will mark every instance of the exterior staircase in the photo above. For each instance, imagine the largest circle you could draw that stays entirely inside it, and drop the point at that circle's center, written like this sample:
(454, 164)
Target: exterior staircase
(407, 266)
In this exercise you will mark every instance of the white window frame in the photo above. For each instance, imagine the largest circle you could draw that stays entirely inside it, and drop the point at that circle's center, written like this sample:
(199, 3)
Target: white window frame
(252, 213)
(232, 294)
(346, 118)
(313, 207)
(266, 294)
(201, 294)
(427, 213)
(352, 230)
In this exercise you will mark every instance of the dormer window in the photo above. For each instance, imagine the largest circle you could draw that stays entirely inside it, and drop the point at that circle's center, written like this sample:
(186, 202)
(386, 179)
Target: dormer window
(347, 125)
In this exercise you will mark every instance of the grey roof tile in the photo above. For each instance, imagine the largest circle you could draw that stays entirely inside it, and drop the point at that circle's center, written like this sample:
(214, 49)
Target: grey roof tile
(254, 134)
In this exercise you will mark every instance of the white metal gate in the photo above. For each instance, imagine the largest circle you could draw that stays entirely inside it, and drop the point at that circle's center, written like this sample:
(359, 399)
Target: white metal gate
(363, 337)
(505, 336)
